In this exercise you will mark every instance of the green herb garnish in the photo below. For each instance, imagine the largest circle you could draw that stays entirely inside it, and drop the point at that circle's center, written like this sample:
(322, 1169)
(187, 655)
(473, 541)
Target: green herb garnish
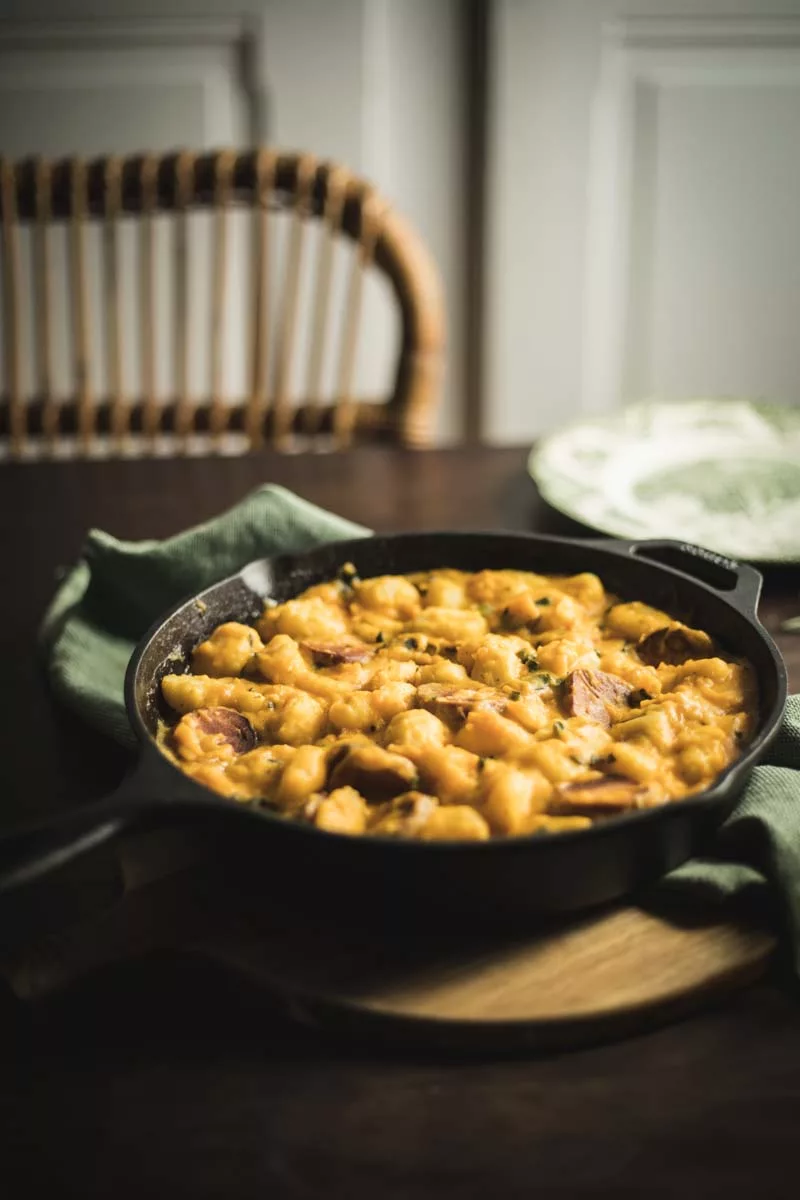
(348, 575)
(543, 600)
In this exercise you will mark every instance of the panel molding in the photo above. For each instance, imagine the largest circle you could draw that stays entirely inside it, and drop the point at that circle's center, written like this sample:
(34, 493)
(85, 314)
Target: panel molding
(242, 35)
(116, 31)
(639, 56)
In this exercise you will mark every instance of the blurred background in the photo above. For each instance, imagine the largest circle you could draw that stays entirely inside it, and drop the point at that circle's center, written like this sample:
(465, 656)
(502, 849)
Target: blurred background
(611, 190)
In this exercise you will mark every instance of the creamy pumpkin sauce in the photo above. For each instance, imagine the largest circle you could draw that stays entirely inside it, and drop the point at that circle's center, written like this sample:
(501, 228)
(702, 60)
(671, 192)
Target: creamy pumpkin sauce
(454, 705)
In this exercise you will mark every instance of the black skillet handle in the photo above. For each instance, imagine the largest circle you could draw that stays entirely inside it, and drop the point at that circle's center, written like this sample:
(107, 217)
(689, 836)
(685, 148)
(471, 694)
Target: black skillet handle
(739, 583)
(147, 798)
(34, 851)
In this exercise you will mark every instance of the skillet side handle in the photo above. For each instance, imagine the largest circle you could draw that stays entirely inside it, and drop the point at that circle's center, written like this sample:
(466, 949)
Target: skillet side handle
(738, 583)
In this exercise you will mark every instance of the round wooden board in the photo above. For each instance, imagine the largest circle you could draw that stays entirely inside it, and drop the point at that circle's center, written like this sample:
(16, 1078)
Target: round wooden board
(578, 981)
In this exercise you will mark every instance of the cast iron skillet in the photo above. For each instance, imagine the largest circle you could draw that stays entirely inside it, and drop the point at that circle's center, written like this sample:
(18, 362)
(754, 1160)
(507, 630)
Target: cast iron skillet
(505, 878)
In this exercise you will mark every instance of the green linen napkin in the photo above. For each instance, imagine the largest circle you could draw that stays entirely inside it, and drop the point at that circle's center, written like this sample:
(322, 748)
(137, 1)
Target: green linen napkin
(118, 589)
(112, 596)
(756, 853)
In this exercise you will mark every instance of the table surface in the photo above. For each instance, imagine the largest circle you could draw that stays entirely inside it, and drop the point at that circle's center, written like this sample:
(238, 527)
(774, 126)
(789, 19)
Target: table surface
(167, 1077)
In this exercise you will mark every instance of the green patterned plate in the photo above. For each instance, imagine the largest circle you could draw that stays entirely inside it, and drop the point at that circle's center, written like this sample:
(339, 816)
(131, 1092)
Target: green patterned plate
(722, 473)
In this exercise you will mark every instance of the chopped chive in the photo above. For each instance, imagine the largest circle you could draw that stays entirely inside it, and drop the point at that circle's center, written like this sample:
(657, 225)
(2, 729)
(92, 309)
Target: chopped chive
(348, 574)
(543, 600)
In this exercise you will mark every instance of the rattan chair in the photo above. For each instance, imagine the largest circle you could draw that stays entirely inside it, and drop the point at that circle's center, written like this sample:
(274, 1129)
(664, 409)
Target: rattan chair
(73, 200)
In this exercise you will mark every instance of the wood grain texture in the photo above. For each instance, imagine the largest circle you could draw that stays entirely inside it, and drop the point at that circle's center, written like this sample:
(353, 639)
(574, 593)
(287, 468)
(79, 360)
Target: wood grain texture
(570, 982)
(603, 976)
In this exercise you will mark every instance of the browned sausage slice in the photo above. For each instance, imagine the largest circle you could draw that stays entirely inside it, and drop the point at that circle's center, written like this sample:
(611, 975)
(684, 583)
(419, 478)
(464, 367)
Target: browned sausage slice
(333, 654)
(596, 797)
(453, 704)
(207, 731)
(406, 814)
(673, 645)
(377, 774)
(594, 694)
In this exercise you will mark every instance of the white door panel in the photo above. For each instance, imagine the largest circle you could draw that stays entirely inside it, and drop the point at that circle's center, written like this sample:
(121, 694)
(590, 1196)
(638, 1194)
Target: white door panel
(645, 208)
(82, 95)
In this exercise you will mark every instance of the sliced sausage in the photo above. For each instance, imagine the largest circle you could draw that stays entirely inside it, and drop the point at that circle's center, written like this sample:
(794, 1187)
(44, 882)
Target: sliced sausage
(594, 694)
(376, 773)
(333, 654)
(673, 645)
(453, 704)
(406, 814)
(213, 732)
(596, 797)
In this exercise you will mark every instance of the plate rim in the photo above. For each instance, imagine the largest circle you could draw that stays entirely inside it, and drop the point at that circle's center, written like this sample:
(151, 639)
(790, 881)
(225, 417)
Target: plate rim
(541, 472)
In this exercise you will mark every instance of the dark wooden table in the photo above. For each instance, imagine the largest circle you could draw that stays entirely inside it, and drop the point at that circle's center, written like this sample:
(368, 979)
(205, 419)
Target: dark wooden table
(166, 1077)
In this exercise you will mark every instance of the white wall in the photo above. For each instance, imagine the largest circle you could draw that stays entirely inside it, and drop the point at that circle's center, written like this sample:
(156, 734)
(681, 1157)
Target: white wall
(644, 206)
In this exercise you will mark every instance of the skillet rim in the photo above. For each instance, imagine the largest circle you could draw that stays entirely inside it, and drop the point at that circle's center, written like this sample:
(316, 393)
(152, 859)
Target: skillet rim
(619, 549)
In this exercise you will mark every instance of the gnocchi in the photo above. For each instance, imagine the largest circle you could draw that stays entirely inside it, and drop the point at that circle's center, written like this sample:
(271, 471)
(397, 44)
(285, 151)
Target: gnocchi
(448, 705)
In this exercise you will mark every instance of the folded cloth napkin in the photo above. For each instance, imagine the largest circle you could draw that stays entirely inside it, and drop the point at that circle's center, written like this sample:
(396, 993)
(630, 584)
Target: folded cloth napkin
(118, 589)
(112, 596)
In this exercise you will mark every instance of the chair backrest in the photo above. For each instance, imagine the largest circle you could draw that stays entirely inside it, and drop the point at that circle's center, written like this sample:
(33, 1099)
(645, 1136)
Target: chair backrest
(82, 249)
